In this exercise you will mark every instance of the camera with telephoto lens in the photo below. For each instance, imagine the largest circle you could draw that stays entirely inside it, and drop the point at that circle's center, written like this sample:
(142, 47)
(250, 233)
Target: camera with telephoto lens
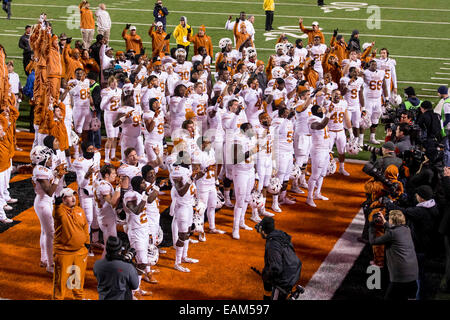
(374, 150)
(370, 169)
(128, 255)
(258, 227)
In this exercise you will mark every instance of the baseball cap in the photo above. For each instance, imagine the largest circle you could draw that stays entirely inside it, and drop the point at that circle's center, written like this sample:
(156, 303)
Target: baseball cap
(62, 36)
(442, 90)
(267, 224)
(132, 28)
(315, 23)
(389, 146)
(27, 26)
(113, 244)
(410, 91)
(159, 24)
(67, 192)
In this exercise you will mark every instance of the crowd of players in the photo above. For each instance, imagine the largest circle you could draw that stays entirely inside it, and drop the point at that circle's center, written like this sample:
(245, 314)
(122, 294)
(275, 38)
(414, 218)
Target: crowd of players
(225, 127)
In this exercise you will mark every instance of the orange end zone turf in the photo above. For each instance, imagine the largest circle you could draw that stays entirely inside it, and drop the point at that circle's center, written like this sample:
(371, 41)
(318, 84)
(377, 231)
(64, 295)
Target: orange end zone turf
(224, 268)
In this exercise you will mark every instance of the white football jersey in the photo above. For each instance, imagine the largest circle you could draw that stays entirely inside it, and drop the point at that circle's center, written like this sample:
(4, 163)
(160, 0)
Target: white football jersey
(80, 94)
(207, 161)
(81, 166)
(353, 89)
(157, 134)
(102, 189)
(253, 109)
(184, 173)
(389, 67)
(199, 105)
(336, 112)
(284, 134)
(135, 221)
(246, 145)
(319, 138)
(265, 138)
(108, 104)
(301, 119)
(129, 170)
(41, 173)
(162, 77)
(300, 54)
(374, 83)
(132, 125)
(353, 63)
(152, 207)
(317, 53)
(150, 93)
(183, 70)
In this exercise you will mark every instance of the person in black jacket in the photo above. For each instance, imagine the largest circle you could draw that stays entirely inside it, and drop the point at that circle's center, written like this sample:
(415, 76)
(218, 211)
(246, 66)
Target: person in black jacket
(400, 255)
(94, 49)
(282, 267)
(353, 43)
(422, 220)
(444, 230)
(160, 13)
(95, 137)
(24, 44)
(429, 122)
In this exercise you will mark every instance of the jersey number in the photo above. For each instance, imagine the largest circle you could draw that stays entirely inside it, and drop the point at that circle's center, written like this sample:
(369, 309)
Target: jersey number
(375, 85)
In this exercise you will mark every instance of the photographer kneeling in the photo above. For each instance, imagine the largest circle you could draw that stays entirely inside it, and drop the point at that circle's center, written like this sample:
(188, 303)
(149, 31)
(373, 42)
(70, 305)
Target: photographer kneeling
(116, 278)
(282, 267)
(400, 255)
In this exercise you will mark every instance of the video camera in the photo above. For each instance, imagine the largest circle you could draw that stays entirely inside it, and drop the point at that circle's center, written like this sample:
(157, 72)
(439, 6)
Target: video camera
(370, 169)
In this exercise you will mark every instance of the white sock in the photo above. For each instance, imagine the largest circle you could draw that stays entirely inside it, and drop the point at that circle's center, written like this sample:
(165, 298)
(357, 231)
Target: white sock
(361, 138)
(178, 254)
(174, 232)
(311, 186)
(237, 217)
(113, 153)
(107, 151)
(275, 200)
(283, 195)
(372, 136)
(211, 213)
(242, 216)
(352, 136)
(227, 195)
(77, 151)
(319, 185)
(341, 165)
(185, 248)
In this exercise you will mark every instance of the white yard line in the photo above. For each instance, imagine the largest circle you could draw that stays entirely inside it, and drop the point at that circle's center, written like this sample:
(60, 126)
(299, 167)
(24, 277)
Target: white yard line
(333, 270)
(435, 78)
(256, 15)
(432, 90)
(444, 73)
(311, 5)
(426, 96)
(444, 68)
(430, 83)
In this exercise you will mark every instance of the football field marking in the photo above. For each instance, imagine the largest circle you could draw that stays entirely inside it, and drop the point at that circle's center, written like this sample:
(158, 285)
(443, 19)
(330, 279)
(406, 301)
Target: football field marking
(435, 78)
(333, 270)
(256, 15)
(311, 5)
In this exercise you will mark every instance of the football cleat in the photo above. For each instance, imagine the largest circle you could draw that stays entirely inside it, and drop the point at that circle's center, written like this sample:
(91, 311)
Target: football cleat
(181, 268)
(193, 241)
(267, 214)
(235, 234)
(7, 208)
(318, 196)
(310, 202)
(202, 237)
(255, 218)
(11, 201)
(189, 260)
(343, 172)
(286, 200)
(245, 227)
(276, 208)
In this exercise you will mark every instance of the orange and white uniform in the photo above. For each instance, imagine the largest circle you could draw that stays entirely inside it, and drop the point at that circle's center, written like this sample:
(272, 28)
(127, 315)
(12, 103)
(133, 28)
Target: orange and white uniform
(82, 116)
(111, 102)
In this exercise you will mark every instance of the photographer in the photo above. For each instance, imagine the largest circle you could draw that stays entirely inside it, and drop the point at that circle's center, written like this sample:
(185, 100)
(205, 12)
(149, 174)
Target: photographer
(282, 267)
(422, 219)
(116, 277)
(429, 123)
(389, 157)
(160, 13)
(402, 138)
(400, 255)
(444, 229)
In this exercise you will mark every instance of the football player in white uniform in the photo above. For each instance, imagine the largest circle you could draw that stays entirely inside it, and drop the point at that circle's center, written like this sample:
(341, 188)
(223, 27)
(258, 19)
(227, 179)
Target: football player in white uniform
(111, 101)
(107, 198)
(320, 157)
(206, 184)
(231, 122)
(284, 151)
(135, 203)
(264, 160)
(153, 90)
(337, 110)
(244, 149)
(182, 67)
(81, 98)
(180, 105)
(317, 50)
(352, 61)
(199, 105)
(131, 122)
(87, 169)
(154, 130)
(253, 98)
(353, 91)
(45, 183)
(389, 66)
(375, 81)
(302, 137)
(183, 182)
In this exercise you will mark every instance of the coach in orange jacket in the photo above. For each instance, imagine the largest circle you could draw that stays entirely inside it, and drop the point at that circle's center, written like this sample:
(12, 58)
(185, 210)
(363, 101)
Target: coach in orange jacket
(315, 31)
(87, 24)
(159, 42)
(202, 40)
(72, 61)
(70, 244)
(54, 67)
(132, 40)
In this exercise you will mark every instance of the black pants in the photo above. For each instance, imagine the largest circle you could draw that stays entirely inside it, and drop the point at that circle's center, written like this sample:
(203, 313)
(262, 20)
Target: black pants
(269, 20)
(26, 60)
(320, 2)
(401, 291)
(7, 8)
(185, 48)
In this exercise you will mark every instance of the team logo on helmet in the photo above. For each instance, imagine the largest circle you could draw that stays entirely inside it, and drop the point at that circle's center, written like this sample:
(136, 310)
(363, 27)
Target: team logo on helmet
(331, 166)
(352, 146)
(180, 52)
(224, 42)
(274, 186)
(257, 201)
(153, 254)
(278, 72)
(296, 172)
